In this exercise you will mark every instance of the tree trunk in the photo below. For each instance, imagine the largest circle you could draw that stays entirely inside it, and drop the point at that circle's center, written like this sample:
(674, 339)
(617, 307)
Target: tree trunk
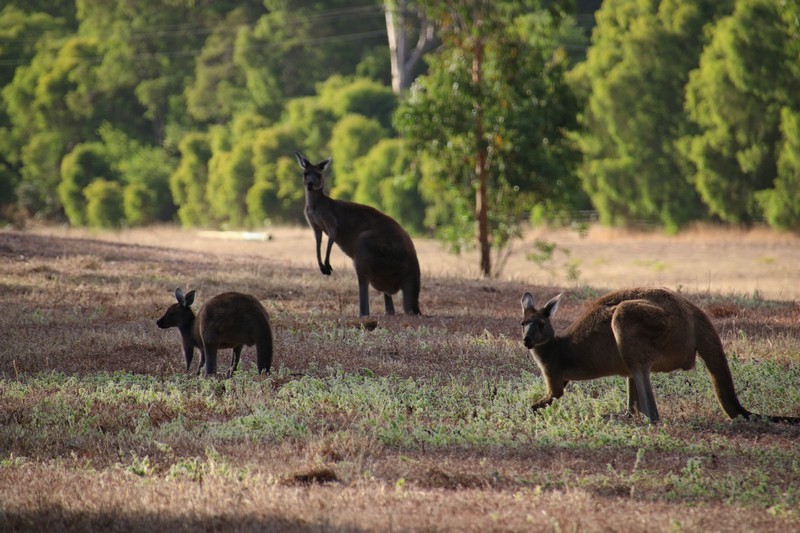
(481, 207)
(397, 43)
(403, 65)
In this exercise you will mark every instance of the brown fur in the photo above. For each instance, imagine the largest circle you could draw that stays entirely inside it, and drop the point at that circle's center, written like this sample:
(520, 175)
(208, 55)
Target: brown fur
(229, 320)
(382, 251)
(630, 333)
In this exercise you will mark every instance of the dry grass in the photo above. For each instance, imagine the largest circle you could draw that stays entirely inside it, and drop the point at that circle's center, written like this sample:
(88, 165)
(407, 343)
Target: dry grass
(433, 433)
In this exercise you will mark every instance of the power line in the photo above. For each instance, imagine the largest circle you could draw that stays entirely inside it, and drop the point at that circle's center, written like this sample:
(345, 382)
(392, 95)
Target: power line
(179, 30)
(194, 51)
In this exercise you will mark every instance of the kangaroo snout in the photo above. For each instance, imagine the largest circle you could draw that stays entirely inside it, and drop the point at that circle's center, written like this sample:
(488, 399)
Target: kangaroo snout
(528, 342)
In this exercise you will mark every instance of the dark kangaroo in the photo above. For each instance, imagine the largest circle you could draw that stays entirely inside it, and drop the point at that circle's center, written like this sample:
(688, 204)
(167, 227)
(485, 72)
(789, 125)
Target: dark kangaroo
(229, 320)
(630, 333)
(382, 252)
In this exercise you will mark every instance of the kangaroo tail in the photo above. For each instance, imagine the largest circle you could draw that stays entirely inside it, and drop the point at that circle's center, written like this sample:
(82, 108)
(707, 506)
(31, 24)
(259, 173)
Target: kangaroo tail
(709, 348)
(780, 419)
(264, 349)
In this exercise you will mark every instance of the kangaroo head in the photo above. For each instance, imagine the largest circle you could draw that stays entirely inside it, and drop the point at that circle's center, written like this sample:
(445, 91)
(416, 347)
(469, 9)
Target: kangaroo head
(537, 328)
(178, 314)
(313, 179)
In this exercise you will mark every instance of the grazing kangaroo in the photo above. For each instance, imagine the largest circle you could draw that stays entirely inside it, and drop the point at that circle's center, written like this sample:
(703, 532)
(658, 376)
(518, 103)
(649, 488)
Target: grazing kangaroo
(229, 320)
(630, 333)
(382, 252)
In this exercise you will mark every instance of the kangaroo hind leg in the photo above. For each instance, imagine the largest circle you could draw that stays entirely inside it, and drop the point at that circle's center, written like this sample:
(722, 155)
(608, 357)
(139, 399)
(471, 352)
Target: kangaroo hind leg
(388, 304)
(363, 296)
(633, 398)
(644, 391)
(237, 352)
(211, 359)
(637, 325)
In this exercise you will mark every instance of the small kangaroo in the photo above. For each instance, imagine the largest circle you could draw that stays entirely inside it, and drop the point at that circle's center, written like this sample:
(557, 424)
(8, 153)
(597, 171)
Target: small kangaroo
(229, 320)
(630, 333)
(382, 252)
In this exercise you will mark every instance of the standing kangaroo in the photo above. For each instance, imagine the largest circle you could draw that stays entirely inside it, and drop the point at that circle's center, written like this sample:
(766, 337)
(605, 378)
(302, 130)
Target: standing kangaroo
(382, 252)
(229, 320)
(630, 333)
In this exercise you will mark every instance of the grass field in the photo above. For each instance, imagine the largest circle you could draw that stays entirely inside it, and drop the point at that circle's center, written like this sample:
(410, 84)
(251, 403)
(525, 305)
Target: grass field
(421, 424)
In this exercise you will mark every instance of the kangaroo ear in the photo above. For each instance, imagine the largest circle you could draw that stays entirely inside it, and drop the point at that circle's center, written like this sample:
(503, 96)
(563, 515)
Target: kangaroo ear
(527, 302)
(179, 296)
(322, 165)
(189, 299)
(551, 306)
(302, 161)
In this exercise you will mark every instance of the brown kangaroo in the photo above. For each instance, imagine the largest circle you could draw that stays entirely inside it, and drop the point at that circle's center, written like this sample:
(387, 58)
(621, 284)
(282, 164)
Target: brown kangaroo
(630, 333)
(382, 252)
(229, 320)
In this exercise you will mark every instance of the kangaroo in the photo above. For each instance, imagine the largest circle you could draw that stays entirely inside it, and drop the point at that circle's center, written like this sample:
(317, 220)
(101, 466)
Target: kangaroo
(382, 252)
(229, 320)
(630, 333)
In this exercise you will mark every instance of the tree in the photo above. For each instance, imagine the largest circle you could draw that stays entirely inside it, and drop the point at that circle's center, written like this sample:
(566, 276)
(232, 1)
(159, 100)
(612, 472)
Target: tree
(745, 78)
(387, 180)
(17, 48)
(781, 203)
(219, 89)
(297, 43)
(633, 78)
(492, 111)
(277, 193)
(351, 138)
(104, 204)
(344, 96)
(188, 182)
(85, 164)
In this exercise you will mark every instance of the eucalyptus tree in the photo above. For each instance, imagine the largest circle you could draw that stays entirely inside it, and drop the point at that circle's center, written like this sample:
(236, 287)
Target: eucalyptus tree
(489, 119)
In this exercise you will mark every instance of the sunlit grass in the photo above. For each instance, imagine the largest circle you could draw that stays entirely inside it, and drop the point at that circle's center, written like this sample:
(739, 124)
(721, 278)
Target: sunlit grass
(137, 422)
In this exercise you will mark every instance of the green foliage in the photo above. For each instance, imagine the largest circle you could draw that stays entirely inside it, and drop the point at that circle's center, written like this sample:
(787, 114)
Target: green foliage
(104, 204)
(40, 174)
(781, 204)
(188, 182)
(312, 122)
(639, 62)
(8, 187)
(688, 111)
(83, 165)
(735, 98)
(150, 168)
(230, 175)
(139, 204)
(218, 89)
(514, 116)
(351, 138)
(278, 197)
(359, 96)
(387, 180)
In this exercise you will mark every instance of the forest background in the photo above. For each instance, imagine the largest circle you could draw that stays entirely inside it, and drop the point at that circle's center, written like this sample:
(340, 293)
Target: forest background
(461, 119)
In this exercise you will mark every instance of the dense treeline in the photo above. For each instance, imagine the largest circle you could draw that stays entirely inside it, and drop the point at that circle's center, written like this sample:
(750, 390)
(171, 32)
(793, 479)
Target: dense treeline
(692, 112)
(118, 113)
